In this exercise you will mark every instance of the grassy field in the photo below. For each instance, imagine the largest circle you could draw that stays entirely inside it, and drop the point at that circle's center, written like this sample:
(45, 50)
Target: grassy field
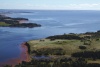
(4, 24)
(71, 50)
(69, 46)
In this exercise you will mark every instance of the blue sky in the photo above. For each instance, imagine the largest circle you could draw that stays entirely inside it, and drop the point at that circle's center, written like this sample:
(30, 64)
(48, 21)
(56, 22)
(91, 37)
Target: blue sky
(51, 4)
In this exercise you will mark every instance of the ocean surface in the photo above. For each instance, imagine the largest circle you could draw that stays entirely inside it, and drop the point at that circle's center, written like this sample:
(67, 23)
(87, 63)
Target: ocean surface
(53, 22)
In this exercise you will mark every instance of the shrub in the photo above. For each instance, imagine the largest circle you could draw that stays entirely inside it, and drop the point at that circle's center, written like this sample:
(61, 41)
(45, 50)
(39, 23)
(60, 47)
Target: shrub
(82, 47)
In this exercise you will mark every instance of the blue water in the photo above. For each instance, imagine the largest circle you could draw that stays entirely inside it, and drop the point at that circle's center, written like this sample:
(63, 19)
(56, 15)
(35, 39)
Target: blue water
(53, 23)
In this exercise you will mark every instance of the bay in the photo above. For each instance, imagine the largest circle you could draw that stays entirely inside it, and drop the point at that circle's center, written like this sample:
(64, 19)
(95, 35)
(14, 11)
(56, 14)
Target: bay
(54, 22)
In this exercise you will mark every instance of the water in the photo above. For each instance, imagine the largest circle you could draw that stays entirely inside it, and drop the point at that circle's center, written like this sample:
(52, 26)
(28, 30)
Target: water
(53, 23)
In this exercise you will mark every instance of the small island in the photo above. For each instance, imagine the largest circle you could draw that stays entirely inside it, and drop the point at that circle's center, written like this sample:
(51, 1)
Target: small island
(67, 50)
(16, 22)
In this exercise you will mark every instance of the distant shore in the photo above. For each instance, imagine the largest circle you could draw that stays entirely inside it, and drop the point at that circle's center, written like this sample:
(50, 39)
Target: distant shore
(6, 21)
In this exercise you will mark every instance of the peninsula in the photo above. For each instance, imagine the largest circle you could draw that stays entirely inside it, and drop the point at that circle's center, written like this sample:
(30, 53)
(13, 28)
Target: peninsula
(71, 50)
(16, 22)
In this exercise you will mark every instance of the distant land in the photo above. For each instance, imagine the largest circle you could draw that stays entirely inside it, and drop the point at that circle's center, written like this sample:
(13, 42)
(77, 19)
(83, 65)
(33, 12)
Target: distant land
(16, 22)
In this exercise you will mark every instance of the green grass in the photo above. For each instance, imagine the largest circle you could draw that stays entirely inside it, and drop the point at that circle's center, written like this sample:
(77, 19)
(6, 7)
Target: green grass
(70, 46)
(4, 24)
(92, 61)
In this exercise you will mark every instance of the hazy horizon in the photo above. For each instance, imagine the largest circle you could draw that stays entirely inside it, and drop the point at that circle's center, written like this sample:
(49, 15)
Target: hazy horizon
(51, 4)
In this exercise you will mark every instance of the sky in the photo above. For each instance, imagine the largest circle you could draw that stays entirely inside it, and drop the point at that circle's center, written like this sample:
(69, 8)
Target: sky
(51, 4)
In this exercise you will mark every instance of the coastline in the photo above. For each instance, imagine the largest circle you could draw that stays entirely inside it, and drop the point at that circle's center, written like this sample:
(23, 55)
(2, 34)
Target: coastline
(24, 56)
(6, 21)
(24, 48)
(60, 44)
(24, 53)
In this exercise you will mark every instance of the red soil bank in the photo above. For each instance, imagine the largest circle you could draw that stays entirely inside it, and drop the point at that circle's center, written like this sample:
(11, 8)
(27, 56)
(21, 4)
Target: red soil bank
(24, 56)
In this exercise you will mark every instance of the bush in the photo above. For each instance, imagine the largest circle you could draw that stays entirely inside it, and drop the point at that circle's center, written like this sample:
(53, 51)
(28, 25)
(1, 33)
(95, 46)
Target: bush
(49, 51)
(87, 54)
(82, 47)
(70, 37)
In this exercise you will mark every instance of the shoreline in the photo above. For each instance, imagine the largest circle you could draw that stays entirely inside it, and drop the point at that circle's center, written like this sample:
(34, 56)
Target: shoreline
(55, 40)
(24, 53)
(24, 56)
(6, 21)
